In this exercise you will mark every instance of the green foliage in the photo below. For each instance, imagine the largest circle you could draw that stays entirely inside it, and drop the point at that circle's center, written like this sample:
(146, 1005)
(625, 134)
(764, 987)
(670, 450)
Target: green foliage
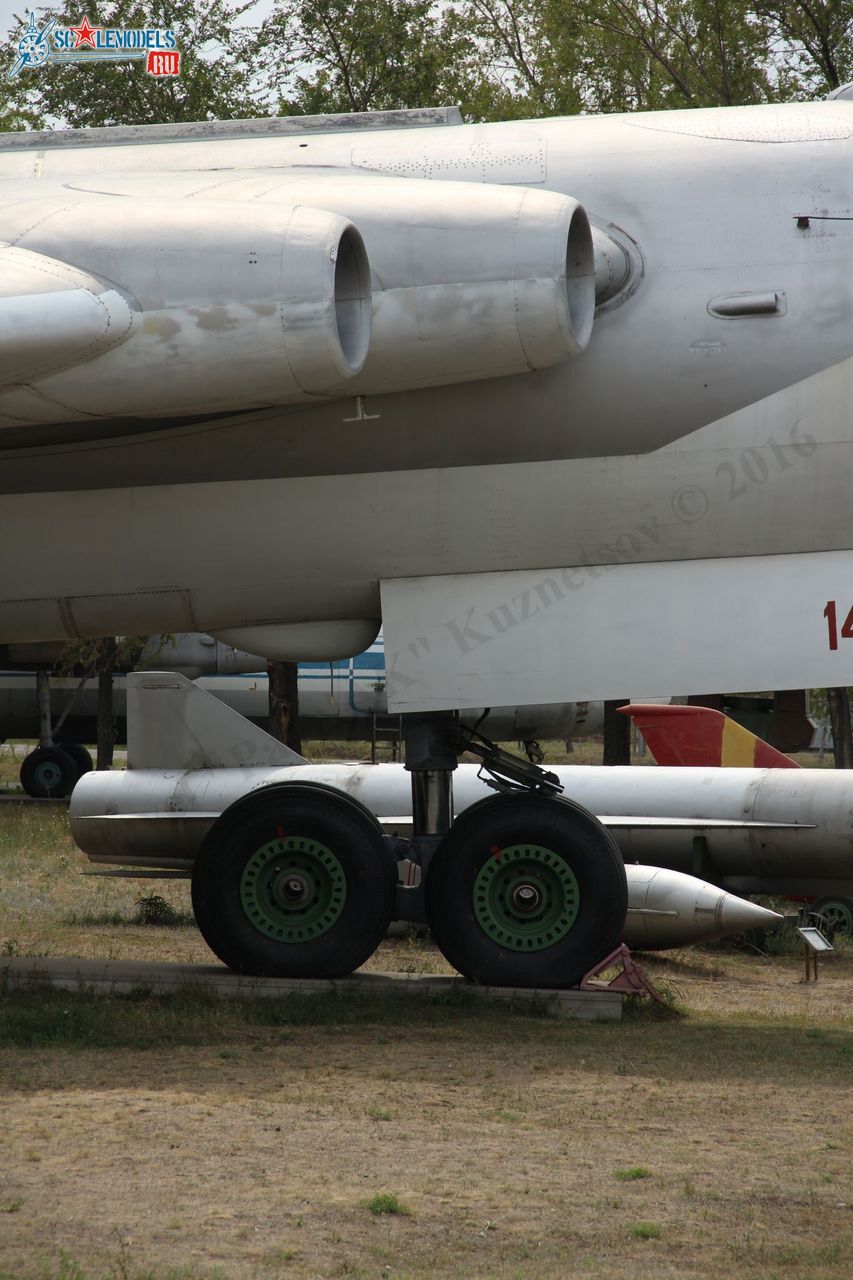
(378, 1113)
(634, 1174)
(15, 112)
(646, 1231)
(152, 909)
(213, 84)
(498, 59)
(501, 59)
(385, 1202)
(813, 39)
(362, 55)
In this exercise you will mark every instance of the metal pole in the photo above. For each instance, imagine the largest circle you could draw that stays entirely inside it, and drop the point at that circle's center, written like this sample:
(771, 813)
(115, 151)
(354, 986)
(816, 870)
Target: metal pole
(43, 693)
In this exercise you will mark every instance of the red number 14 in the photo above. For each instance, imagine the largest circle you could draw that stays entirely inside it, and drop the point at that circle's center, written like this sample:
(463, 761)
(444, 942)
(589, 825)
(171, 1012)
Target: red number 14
(832, 624)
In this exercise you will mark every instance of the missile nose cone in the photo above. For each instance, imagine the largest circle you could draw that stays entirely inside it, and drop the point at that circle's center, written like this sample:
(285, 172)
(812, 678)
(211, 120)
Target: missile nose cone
(671, 909)
(736, 915)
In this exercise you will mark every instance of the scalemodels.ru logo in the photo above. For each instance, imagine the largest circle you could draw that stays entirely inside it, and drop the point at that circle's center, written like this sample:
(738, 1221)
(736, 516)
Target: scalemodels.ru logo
(156, 46)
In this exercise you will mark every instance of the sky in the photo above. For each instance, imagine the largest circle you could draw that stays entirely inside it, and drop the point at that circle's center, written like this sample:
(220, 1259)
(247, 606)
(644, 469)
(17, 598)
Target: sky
(8, 9)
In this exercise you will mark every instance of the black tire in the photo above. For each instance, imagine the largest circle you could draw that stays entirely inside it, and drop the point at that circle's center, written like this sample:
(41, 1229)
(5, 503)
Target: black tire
(48, 773)
(80, 755)
(837, 912)
(458, 890)
(311, 836)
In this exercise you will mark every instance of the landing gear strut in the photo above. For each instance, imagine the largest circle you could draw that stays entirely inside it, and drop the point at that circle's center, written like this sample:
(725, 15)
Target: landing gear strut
(524, 889)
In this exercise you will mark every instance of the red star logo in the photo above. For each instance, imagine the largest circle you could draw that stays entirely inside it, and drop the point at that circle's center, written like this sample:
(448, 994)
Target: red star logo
(85, 34)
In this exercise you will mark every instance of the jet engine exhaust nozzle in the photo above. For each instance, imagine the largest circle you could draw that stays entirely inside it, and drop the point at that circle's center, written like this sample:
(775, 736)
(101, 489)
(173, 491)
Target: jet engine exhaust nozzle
(178, 307)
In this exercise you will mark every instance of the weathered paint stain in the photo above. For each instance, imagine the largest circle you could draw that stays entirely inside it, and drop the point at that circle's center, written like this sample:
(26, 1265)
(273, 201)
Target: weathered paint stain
(160, 326)
(214, 319)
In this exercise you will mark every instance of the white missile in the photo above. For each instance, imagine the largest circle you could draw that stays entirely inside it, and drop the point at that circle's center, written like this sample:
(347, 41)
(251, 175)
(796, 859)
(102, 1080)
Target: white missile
(670, 909)
(754, 831)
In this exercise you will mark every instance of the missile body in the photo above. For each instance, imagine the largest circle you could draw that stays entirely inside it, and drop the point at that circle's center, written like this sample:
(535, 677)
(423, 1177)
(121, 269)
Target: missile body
(771, 831)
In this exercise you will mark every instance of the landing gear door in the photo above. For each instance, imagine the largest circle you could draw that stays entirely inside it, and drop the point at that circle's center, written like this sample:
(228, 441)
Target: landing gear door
(618, 631)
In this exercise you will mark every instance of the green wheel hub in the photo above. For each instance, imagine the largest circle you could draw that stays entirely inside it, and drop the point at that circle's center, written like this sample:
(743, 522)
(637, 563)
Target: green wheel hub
(526, 897)
(48, 775)
(293, 889)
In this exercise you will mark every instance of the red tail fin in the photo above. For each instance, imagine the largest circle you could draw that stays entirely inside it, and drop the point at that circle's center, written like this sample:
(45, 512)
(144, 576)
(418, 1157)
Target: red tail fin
(700, 736)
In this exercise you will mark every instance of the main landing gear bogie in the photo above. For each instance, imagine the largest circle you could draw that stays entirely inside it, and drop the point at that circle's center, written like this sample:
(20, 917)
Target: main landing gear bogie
(524, 889)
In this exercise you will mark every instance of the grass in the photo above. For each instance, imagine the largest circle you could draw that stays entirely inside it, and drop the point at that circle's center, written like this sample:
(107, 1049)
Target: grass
(122, 1268)
(235, 1119)
(243, 1139)
(646, 1231)
(385, 1202)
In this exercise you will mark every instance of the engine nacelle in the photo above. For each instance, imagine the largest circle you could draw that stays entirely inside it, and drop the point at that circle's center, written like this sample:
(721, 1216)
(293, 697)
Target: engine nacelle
(232, 306)
(470, 280)
(269, 295)
(53, 316)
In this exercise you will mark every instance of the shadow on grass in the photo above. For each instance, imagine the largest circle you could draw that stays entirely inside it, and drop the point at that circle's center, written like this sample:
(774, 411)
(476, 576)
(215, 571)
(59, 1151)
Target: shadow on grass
(43, 1017)
(151, 910)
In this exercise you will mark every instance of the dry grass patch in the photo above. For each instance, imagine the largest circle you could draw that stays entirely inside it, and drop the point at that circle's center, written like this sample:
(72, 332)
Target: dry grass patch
(257, 1144)
(187, 1138)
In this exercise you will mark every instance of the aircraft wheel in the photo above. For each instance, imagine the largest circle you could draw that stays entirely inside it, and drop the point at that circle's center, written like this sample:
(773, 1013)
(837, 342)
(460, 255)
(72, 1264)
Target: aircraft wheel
(294, 881)
(526, 891)
(81, 757)
(838, 914)
(48, 772)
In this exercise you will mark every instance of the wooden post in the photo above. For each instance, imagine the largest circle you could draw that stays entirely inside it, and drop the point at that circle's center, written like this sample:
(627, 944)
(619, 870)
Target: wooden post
(284, 703)
(106, 719)
(617, 734)
(842, 732)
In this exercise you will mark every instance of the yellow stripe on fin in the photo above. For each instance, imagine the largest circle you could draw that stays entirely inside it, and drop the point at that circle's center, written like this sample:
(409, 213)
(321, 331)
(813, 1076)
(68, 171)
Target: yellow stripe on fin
(738, 747)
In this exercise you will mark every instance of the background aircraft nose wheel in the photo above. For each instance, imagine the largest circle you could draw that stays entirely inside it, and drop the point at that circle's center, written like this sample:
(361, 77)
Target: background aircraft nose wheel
(838, 914)
(526, 891)
(294, 881)
(49, 772)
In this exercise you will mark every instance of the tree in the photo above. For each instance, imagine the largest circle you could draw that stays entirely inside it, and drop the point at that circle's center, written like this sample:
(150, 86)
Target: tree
(213, 84)
(502, 59)
(623, 55)
(103, 657)
(838, 703)
(362, 55)
(15, 114)
(284, 703)
(815, 39)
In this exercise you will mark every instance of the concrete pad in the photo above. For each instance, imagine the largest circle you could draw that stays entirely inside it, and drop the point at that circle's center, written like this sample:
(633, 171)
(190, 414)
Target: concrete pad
(105, 976)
